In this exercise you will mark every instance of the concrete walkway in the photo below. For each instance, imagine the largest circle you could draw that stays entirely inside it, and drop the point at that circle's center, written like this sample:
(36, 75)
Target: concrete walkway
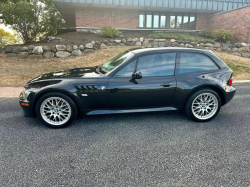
(10, 91)
(15, 91)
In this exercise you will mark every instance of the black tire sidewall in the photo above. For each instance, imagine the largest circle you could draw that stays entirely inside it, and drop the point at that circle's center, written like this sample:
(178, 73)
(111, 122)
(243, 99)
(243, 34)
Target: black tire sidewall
(188, 107)
(63, 96)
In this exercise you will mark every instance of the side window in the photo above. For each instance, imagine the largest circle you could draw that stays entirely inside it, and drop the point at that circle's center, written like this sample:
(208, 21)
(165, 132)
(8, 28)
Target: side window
(127, 71)
(194, 62)
(162, 64)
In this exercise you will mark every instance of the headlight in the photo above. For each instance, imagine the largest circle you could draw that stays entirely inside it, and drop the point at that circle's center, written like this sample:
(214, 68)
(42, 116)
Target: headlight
(25, 93)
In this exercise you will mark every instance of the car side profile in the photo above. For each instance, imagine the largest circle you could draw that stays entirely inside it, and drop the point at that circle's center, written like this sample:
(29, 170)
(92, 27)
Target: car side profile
(138, 80)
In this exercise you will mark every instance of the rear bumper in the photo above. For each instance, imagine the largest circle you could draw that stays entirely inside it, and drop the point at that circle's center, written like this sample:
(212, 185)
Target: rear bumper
(230, 92)
(27, 110)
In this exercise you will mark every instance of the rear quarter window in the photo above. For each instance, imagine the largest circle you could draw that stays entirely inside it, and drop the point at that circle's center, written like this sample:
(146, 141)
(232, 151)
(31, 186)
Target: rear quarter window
(195, 62)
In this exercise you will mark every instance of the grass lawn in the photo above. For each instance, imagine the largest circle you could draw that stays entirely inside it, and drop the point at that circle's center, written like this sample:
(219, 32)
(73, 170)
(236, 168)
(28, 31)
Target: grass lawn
(16, 72)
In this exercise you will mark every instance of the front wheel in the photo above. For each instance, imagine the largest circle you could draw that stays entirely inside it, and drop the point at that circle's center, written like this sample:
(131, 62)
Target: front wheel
(203, 105)
(56, 110)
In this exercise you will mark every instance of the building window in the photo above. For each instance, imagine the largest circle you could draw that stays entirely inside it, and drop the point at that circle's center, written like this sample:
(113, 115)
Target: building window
(167, 20)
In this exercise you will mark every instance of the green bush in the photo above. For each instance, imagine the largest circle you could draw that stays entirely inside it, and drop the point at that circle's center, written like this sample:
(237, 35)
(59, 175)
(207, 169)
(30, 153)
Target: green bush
(109, 31)
(223, 35)
(207, 33)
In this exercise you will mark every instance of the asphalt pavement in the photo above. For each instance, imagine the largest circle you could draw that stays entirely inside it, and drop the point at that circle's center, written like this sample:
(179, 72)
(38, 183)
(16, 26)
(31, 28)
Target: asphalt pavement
(140, 149)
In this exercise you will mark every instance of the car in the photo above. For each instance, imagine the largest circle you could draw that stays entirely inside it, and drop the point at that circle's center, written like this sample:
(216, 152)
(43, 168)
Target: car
(137, 80)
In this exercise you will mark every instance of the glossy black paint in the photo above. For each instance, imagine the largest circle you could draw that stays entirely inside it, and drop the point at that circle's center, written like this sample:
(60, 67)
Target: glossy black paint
(96, 93)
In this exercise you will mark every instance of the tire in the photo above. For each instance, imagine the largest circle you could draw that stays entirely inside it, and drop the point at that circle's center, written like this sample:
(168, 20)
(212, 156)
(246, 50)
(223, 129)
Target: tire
(197, 104)
(56, 110)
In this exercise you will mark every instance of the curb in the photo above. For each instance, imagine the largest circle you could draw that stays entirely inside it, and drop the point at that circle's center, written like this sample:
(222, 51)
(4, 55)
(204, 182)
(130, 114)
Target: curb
(12, 92)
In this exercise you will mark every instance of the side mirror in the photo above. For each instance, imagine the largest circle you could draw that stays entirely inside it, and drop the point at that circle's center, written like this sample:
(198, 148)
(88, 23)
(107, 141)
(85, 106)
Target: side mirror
(137, 75)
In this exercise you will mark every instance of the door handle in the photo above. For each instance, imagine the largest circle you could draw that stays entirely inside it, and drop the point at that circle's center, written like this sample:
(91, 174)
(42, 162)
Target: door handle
(166, 84)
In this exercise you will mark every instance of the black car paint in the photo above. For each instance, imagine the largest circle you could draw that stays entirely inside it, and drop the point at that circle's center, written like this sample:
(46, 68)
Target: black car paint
(124, 93)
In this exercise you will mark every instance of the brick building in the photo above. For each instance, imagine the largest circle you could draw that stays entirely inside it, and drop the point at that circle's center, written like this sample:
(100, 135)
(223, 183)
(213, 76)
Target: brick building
(191, 15)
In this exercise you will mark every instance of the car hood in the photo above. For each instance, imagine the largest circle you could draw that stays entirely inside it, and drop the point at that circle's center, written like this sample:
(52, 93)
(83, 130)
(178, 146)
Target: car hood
(88, 72)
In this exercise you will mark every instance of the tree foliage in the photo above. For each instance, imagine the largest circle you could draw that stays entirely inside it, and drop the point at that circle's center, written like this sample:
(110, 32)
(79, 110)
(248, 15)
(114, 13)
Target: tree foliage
(30, 19)
(6, 38)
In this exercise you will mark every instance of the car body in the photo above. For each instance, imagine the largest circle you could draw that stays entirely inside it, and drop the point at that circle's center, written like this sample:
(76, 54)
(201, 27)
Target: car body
(170, 77)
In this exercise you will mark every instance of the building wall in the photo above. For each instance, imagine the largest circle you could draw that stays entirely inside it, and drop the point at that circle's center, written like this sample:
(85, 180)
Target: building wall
(237, 21)
(97, 17)
(201, 21)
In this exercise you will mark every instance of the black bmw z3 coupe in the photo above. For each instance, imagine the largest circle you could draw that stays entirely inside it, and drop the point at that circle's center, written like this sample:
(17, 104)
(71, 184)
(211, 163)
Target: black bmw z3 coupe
(138, 80)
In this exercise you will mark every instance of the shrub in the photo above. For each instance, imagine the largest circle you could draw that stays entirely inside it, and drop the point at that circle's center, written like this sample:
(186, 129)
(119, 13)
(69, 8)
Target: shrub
(109, 31)
(6, 38)
(223, 35)
(207, 33)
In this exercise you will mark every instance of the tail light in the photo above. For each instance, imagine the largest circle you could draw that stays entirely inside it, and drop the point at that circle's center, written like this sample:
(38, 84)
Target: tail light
(230, 82)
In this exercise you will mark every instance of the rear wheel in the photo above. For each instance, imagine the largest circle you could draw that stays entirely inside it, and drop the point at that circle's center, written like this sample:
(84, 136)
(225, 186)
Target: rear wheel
(203, 105)
(56, 110)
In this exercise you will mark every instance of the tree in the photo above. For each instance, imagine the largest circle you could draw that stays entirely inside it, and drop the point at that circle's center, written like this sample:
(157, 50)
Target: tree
(32, 18)
(24, 18)
(6, 38)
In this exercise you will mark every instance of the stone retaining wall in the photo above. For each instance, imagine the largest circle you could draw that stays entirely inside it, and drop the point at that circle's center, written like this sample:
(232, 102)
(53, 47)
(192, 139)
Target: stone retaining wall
(64, 51)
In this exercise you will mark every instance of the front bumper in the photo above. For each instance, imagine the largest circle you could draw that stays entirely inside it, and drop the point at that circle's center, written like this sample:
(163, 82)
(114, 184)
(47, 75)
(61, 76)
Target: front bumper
(27, 106)
(230, 92)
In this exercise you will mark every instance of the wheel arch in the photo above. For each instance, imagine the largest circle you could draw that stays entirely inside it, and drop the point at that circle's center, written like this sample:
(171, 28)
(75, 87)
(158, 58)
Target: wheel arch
(218, 90)
(40, 94)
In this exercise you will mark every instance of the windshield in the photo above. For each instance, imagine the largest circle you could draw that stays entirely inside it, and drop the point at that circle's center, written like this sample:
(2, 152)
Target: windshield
(115, 62)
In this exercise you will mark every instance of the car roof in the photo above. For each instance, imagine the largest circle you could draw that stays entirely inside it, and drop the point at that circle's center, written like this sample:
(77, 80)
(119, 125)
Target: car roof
(162, 49)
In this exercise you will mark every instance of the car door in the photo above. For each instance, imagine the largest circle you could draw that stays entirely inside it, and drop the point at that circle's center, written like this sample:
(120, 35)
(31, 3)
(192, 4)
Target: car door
(156, 88)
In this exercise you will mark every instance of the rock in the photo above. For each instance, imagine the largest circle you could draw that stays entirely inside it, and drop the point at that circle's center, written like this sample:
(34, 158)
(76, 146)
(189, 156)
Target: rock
(244, 49)
(98, 42)
(216, 45)
(88, 50)
(121, 44)
(173, 40)
(23, 55)
(11, 54)
(105, 41)
(236, 54)
(150, 39)
(25, 49)
(112, 41)
(103, 46)
(118, 41)
(218, 49)
(61, 48)
(161, 44)
(89, 46)
(69, 48)
(17, 50)
(141, 39)
(124, 41)
(238, 45)
(138, 43)
(53, 49)
(81, 47)
(226, 49)
(38, 50)
(209, 45)
(193, 43)
(93, 42)
(189, 46)
(48, 55)
(62, 54)
(245, 55)
(129, 40)
(8, 49)
(43, 39)
(175, 44)
(31, 47)
(182, 45)
(202, 44)
(75, 47)
(51, 38)
(135, 39)
(162, 40)
(156, 40)
(76, 52)
(46, 48)
(146, 43)
(243, 44)
(225, 44)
